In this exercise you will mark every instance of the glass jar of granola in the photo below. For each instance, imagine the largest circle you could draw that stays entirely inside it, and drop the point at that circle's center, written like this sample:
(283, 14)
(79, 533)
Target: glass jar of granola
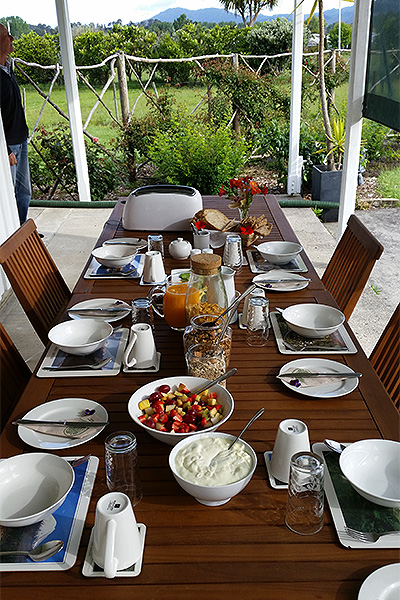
(205, 361)
(207, 330)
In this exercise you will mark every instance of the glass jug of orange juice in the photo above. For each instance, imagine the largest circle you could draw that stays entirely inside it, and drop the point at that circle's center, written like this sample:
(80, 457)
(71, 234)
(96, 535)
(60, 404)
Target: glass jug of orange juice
(168, 301)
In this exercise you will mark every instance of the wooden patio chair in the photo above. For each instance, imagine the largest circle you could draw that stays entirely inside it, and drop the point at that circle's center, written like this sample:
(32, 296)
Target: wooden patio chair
(14, 375)
(385, 357)
(35, 278)
(351, 264)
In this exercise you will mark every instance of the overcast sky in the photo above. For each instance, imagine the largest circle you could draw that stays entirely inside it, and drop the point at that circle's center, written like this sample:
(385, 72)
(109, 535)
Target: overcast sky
(104, 11)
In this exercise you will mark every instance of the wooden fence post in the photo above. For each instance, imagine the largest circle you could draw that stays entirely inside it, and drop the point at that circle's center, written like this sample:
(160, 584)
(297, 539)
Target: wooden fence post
(123, 87)
(236, 119)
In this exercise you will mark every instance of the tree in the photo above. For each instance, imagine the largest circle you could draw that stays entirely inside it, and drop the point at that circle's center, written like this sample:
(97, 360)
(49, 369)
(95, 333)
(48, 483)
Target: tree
(17, 26)
(248, 8)
(345, 36)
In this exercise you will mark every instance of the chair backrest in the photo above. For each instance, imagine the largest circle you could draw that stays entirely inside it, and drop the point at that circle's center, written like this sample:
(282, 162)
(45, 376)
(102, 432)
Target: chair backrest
(35, 278)
(351, 263)
(14, 375)
(385, 357)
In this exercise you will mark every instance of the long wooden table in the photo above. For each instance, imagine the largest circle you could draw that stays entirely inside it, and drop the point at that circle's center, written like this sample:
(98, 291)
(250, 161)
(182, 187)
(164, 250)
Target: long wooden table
(242, 549)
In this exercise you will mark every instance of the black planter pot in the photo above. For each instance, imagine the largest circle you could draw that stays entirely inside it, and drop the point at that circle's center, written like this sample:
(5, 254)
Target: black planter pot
(326, 188)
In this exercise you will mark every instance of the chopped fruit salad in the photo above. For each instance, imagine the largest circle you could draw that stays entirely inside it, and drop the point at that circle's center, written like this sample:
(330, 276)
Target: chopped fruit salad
(180, 411)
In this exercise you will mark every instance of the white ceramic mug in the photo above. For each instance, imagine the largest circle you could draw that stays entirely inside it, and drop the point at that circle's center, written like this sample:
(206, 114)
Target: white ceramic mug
(116, 543)
(256, 292)
(201, 239)
(141, 349)
(153, 270)
(291, 437)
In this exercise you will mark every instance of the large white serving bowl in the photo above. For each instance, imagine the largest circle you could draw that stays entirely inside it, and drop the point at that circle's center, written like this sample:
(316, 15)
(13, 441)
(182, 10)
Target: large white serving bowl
(313, 320)
(32, 487)
(114, 255)
(80, 337)
(372, 467)
(206, 494)
(193, 383)
(279, 253)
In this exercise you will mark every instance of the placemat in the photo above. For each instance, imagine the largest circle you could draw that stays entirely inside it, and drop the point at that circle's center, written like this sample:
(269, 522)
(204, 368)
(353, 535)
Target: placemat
(349, 509)
(113, 348)
(98, 271)
(338, 342)
(65, 524)
(258, 264)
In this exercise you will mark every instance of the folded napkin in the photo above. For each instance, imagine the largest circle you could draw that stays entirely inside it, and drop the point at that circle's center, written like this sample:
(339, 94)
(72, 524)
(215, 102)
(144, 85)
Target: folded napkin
(303, 381)
(76, 433)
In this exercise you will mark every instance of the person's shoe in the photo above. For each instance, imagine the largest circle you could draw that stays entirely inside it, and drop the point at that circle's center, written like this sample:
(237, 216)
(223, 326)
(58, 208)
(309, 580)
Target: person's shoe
(41, 235)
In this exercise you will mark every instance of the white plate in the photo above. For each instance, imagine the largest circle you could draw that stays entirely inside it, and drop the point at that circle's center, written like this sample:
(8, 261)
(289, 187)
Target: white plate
(57, 410)
(101, 303)
(136, 243)
(299, 282)
(322, 365)
(382, 584)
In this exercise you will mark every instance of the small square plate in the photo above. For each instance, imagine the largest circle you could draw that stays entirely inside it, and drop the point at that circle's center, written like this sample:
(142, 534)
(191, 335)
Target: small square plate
(258, 265)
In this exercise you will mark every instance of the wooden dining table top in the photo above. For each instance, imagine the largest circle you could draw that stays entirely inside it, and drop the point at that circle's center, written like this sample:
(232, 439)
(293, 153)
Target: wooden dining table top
(243, 548)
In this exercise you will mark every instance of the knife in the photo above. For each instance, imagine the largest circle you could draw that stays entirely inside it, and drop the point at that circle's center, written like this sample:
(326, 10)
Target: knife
(305, 374)
(101, 310)
(61, 423)
(262, 281)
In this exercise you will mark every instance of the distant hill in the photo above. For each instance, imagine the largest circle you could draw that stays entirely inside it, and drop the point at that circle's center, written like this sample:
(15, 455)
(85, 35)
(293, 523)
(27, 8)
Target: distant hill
(219, 15)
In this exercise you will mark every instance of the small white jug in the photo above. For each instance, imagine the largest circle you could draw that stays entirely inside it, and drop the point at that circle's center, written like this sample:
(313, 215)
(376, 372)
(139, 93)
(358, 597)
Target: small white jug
(141, 349)
(153, 270)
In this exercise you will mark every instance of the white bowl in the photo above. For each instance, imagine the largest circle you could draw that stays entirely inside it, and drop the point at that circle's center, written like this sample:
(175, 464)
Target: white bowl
(114, 255)
(279, 253)
(80, 337)
(193, 383)
(313, 320)
(211, 495)
(372, 467)
(32, 487)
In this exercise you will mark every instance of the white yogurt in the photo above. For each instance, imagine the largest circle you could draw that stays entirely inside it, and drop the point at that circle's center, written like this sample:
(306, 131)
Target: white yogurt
(193, 462)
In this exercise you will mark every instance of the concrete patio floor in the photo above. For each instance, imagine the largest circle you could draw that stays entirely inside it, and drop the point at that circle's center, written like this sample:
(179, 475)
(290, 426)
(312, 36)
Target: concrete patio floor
(70, 234)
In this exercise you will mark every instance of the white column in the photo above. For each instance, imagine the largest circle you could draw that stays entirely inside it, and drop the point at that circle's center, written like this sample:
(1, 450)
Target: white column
(358, 67)
(9, 220)
(74, 108)
(296, 161)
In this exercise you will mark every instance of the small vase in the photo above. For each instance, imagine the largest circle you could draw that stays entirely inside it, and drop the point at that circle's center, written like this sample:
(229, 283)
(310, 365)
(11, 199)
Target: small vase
(243, 212)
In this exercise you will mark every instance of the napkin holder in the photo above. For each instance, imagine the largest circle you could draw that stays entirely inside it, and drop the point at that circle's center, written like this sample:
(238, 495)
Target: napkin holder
(161, 208)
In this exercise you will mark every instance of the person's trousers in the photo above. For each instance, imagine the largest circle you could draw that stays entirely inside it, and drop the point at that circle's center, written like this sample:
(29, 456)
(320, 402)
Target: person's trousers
(22, 179)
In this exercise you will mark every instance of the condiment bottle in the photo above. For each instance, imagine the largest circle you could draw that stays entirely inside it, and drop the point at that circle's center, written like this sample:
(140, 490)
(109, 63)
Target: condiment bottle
(206, 292)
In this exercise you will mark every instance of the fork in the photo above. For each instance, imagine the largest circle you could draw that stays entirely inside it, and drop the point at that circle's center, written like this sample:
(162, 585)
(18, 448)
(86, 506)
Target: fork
(367, 536)
(94, 366)
(311, 347)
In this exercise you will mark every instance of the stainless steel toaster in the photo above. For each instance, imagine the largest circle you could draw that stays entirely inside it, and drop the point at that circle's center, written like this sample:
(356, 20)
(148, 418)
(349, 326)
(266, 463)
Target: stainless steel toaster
(161, 208)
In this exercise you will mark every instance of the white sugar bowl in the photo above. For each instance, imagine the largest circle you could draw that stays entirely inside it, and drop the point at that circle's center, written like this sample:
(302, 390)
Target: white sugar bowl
(180, 249)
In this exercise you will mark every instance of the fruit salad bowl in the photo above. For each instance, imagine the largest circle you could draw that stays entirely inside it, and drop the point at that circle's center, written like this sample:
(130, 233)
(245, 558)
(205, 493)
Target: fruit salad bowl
(170, 418)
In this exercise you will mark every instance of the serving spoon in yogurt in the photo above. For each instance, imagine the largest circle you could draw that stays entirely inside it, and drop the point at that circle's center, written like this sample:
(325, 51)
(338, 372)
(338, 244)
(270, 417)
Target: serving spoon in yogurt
(224, 453)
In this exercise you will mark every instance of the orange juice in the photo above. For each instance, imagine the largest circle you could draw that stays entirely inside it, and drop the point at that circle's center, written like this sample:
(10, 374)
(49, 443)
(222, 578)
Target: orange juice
(174, 305)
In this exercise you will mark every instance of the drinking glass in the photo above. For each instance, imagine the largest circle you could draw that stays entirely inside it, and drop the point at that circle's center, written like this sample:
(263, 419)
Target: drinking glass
(305, 500)
(155, 242)
(257, 321)
(142, 311)
(121, 457)
(173, 295)
(233, 254)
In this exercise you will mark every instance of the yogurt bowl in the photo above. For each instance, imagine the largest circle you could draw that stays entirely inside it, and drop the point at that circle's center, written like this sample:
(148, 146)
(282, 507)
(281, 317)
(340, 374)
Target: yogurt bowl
(215, 485)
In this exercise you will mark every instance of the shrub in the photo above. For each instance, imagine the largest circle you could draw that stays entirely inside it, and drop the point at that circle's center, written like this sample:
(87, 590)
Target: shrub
(58, 170)
(41, 49)
(199, 155)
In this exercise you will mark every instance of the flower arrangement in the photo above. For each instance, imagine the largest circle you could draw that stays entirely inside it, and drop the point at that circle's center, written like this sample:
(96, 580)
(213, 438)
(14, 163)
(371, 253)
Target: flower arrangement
(241, 192)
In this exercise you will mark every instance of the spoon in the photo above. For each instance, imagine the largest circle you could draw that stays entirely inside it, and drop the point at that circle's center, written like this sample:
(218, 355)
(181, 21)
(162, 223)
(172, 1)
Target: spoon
(215, 381)
(232, 306)
(224, 453)
(335, 446)
(42, 552)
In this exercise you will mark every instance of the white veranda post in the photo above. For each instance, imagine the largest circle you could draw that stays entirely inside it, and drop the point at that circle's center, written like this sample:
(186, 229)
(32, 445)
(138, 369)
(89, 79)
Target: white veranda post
(296, 161)
(74, 108)
(358, 67)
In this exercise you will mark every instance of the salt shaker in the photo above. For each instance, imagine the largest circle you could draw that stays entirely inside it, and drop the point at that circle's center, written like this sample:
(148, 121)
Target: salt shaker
(121, 457)
(155, 242)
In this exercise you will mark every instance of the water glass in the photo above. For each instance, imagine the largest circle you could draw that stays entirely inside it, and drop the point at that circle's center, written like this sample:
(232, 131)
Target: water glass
(155, 242)
(305, 500)
(121, 457)
(142, 311)
(233, 253)
(257, 321)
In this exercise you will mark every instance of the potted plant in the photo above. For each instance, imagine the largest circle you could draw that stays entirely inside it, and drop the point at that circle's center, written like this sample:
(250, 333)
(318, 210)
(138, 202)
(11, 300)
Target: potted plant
(326, 181)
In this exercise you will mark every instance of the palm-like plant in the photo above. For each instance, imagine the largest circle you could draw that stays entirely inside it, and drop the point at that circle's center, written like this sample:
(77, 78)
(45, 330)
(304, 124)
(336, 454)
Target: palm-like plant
(250, 8)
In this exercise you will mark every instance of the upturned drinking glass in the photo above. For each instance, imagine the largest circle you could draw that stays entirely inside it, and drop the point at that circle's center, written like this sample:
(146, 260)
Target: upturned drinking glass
(121, 457)
(257, 323)
(305, 500)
